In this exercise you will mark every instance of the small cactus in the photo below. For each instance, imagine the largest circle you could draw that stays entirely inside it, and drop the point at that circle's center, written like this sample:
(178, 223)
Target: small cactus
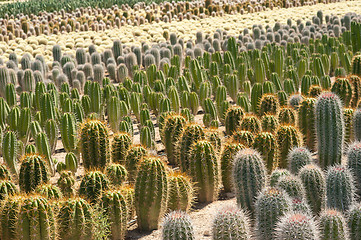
(116, 173)
(181, 192)
(177, 225)
(354, 220)
(266, 144)
(287, 137)
(269, 104)
(292, 185)
(134, 157)
(233, 119)
(66, 183)
(49, 191)
(333, 225)
(92, 185)
(121, 144)
(297, 158)
(276, 175)
(251, 123)
(33, 172)
(353, 162)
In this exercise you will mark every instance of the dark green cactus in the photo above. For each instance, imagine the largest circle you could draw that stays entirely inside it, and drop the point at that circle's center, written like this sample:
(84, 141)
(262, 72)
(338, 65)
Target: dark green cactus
(348, 120)
(251, 123)
(177, 225)
(332, 225)
(33, 172)
(92, 185)
(306, 122)
(245, 138)
(4, 173)
(287, 137)
(181, 192)
(133, 159)
(353, 221)
(343, 89)
(10, 151)
(269, 123)
(292, 185)
(9, 217)
(151, 191)
(249, 174)
(233, 119)
(269, 104)
(66, 183)
(7, 189)
(95, 144)
(49, 191)
(121, 144)
(287, 115)
(117, 174)
(265, 143)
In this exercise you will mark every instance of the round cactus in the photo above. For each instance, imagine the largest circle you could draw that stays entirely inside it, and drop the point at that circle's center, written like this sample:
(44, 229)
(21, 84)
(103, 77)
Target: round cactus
(133, 159)
(314, 183)
(292, 185)
(269, 104)
(266, 144)
(116, 173)
(231, 223)
(33, 172)
(92, 185)
(343, 89)
(245, 138)
(340, 188)
(249, 174)
(203, 168)
(276, 175)
(287, 137)
(151, 191)
(298, 157)
(121, 144)
(177, 225)
(330, 129)
(271, 204)
(251, 123)
(181, 192)
(7, 189)
(333, 225)
(49, 191)
(95, 145)
(269, 123)
(287, 115)
(297, 226)
(66, 182)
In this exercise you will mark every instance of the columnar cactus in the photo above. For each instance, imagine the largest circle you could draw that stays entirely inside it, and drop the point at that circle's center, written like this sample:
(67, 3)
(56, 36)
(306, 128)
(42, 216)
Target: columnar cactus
(249, 174)
(75, 220)
(271, 204)
(95, 145)
(343, 89)
(116, 173)
(354, 163)
(121, 144)
(229, 151)
(177, 225)
(330, 129)
(333, 225)
(231, 223)
(297, 226)
(151, 192)
(203, 168)
(306, 122)
(233, 119)
(115, 208)
(66, 183)
(314, 182)
(9, 217)
(10, 151)
(357, 124)
(33, 172)
(92, 185)
(191, 134)
(355, 82)
(287, 137)
(181, 192)
(43, 148)
(134, 157)
(292, 185)
(287, 115)
(348, 114)
(340, 188)
(354, 221)
(266, 144)
(269, 123)
(297, 158)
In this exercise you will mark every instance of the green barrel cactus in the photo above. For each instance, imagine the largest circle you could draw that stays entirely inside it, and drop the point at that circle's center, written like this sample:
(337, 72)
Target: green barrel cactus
(177, 225)
(66, 183)
(121, 144)
(7, 189)
(33, 172)
(276, 175)
(117, 174)
(298, 157)
(306, 122)
(343, 89)
(92, 186)
(133, 159)
(292, 185)
(181, 192)
(49, 191)
(353, 218)
(9, 216)
(269, 104)
(251, 123)
(233, 119)
(287, 115)
(287, 137)
(245, 138)
(265, 143)
(354, 163)
(332, 225)
(269, 123)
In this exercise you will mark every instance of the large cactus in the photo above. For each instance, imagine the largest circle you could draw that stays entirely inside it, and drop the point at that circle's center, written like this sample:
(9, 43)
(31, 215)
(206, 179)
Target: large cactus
(204, 169)
(95, 144)
(9, 217)
(330, 129)
(33, 172)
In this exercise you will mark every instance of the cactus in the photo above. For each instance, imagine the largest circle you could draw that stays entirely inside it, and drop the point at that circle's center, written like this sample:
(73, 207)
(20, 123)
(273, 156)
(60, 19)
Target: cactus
(330, 129)
(9, 151)
(231, 223)
(133, 159)
(245, 138)
(301, 205)
(233, 119)
(353, 221)
(292, 185)
(68, 131)
(49, 191)
(353, 162)
(43, 148)
(249, 174)
(355, 82)
(269, 123)
(4, 173)
(95, 146)
(276, 175)
(117, 174)
(356, 68)
(33, 172)
(340, 188)
(269, 104)
(75, 220)
(92, 185)
(36, 219)
(177, 225)
(287, 138)
(332, 225)
(343, 89)
(297, 226)
(230, 149)
(287, 115)
(7, 189)
(266, 144)
(271, 204)
(171, 132)
(181, 192)
(151, 191)
(116, 210)
(348, 120)
(66, 182)
(306, 122)
(315, 185)
(120, 145)
(357, 124)
(298, 157)
(251, 123)
(203, 168)
(9, 216)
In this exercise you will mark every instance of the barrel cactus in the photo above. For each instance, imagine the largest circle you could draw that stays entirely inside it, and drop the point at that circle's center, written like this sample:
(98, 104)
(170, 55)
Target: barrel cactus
(177, 225)
(181, 192)
(333, 225)
(353, 221)
(287, 137)
(233, 119)
(266, 144)
(353, 162)
(92, 185)
(297, 158)
(33, 172)
(116, 173)
(121, 144)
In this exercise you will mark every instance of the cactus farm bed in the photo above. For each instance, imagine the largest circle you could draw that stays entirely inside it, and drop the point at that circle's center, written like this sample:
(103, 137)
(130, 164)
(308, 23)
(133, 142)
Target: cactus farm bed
(180, 121)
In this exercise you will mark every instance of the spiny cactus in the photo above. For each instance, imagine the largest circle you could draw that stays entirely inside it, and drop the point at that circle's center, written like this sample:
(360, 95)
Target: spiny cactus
(75, 220)
(269, 123)
(269, 104)
(95, 145)
(251, 123)
(177, 225)
(4, 173)
(233, 119)
(353, 221)
(116, 173)
(306, 122)
(332, 225)
(353, 162)
(33, 172)
(357, 125)
(134, 157)
(151, 192)
(343, 89)
(249, 174)
(9, 217)
(298, 157)
(330, 129)
(203, 168)
(92, 185)
(287, 115)
(115, 208)
(271, 204)
(229, 151)
(276, 175)
(49, 191)
(66, 183)
(266, 144)
(314, 182)
(301, 205)
(121, 144)
(181, 192)
(245, 138)
(287, 137)
(340, 188)
(292, 185)
(7, 189)
(10, 151)
(297, 226)
(231, 223)
(348, 114)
